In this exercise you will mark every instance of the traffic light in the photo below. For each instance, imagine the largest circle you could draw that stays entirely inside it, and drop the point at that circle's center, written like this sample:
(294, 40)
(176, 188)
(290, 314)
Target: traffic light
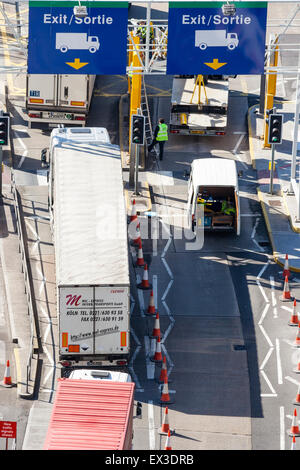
(275, 129)
(4, 128)
(138, 129)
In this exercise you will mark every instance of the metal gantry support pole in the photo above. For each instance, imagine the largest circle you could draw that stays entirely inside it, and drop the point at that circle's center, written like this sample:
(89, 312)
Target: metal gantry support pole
(147, 49)
(272, 168)
(295, 138)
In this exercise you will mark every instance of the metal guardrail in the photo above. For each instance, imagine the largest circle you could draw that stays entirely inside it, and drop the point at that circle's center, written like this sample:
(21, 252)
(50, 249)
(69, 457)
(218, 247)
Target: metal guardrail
(35, 346)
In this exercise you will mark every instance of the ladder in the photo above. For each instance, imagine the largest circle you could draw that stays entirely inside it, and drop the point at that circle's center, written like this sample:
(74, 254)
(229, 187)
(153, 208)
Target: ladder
(145, 112)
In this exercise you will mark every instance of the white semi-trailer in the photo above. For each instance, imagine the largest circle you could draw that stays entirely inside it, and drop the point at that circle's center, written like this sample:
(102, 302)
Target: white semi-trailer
(58, 99)
(89, 221)
(207, 116)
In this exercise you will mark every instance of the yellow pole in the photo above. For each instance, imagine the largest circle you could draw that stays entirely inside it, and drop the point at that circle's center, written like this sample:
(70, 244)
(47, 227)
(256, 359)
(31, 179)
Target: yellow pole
(271, 92)
(136, 84)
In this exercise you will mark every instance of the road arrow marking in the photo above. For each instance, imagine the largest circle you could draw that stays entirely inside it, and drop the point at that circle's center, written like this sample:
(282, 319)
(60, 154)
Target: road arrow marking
(77, 64)
(215, 64)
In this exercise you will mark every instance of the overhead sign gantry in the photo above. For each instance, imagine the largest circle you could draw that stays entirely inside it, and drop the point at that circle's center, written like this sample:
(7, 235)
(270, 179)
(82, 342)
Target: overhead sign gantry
(62, 43)
(203, 40)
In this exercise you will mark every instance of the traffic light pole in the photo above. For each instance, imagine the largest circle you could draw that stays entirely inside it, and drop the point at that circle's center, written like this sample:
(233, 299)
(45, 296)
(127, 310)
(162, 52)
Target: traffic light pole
(137, 158)
(272, 168)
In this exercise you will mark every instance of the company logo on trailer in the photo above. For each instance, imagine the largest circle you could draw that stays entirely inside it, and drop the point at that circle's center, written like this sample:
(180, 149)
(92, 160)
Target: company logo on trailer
(73, 299)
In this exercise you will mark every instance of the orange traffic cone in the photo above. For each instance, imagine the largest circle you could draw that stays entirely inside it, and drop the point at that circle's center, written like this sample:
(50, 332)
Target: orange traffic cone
(293, 447)
(151, 306)
(294, 321)
(286, 290)
(297, 369)
(156, 328)
(7, 377)
(165, 396)
(297, 399)
(168, 443)
(145, 282)
(137, 235)
(157, 355)
(133, 215)
(297, 340)
(294, 431)
(286, 269)
(165, 428)
(163, 371)
(140, 258)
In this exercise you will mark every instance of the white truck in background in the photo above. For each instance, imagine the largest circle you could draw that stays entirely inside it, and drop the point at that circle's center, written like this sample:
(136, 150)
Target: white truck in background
(213, 195)
(89, 224)
(209, 117)
(58, 99)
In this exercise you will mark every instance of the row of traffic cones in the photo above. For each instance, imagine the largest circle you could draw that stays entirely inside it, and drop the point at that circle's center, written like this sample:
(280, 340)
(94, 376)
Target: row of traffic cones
(294, 431)
(156, 334)
(137, 241)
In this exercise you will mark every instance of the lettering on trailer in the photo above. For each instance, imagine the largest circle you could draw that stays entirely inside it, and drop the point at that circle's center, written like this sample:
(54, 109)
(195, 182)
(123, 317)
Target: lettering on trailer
(202, 39)
(60, 42)
(87, 313)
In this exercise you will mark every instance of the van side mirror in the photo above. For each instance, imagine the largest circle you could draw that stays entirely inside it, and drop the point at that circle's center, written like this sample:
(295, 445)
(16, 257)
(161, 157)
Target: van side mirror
(44, 158)
(186, 173)
(139, 410)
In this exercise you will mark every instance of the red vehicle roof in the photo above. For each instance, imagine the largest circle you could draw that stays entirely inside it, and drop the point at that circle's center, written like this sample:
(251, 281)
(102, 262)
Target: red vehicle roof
(91, 415)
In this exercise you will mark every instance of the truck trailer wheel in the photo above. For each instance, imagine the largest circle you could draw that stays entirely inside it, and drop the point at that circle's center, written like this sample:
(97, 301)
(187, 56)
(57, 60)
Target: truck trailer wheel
(202, 46)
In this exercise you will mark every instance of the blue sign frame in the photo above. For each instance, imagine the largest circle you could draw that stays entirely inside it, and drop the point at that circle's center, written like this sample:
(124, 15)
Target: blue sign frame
(61, 43)
(202, 40)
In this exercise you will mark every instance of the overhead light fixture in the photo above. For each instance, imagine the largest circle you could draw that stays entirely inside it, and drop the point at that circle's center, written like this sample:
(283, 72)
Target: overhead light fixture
(228, 9)
(80, 11)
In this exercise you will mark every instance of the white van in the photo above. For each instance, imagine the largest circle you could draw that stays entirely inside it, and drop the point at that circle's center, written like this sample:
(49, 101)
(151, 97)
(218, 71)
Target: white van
(103, 375)
(213, 186)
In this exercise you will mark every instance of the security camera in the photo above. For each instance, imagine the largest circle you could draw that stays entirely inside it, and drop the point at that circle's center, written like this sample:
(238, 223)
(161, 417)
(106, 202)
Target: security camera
(228, 9)
(80, 11)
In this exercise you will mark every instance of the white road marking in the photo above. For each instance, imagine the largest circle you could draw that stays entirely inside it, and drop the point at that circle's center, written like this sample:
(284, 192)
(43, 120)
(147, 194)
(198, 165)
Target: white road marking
(274, 301)
(167, 290)
(140, 296)
(264, 314)
(266, 336)
(151, 425)
(282, 428)
(150, 366)
(279, 368)
(267, 357)
(25, 150)
(234, 151)
(167, 268)
(253, 235)
(268, 382)
(290, 379)
(166, 247)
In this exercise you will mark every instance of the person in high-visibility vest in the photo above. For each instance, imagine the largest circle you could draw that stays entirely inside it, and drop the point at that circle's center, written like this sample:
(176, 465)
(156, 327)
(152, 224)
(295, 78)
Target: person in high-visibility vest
(160, 137)
(142, 32)
(228, 208)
